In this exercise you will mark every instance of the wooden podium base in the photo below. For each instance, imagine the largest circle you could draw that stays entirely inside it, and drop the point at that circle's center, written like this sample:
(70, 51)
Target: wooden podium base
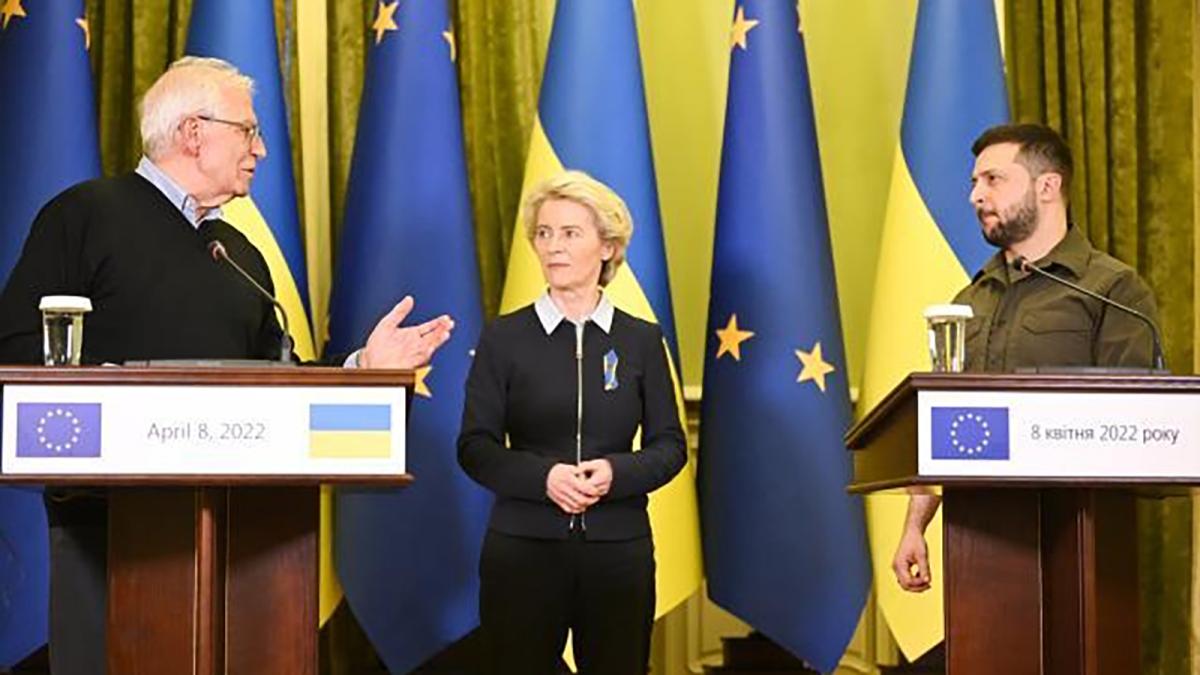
(213, 580)
(1043, 581)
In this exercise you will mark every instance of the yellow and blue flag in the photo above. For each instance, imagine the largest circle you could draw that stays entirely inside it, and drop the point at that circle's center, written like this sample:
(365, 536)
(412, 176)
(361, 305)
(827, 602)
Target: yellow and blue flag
(592, 117)
(784, 544)
(242, 32)
(350, 430)
(931, 246)
(408, 230)
(47, 143)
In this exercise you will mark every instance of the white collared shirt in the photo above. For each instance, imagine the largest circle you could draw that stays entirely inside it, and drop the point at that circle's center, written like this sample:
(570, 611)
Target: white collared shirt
(550, 315)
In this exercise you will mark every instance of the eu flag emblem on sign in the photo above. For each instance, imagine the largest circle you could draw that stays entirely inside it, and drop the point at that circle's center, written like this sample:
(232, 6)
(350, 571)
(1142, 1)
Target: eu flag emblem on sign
(58, 430)
(970, 433)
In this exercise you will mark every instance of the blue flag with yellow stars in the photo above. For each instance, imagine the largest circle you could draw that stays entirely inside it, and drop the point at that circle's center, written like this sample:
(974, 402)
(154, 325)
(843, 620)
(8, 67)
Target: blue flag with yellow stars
(47, 143)
(409, 559)
(784, 545)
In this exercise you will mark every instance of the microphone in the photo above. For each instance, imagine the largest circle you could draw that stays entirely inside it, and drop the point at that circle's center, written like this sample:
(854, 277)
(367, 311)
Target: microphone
(217, 250)
(1022, 264)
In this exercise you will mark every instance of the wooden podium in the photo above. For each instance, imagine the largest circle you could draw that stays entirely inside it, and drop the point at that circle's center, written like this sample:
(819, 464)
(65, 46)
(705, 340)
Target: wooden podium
(1038, 476)
(211, 570)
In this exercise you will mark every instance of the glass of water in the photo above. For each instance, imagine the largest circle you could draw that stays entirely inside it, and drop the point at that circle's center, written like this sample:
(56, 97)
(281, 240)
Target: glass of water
(62, 328)
(947, 326)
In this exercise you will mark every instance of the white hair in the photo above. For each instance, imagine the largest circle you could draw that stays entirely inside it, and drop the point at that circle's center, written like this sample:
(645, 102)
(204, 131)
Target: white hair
(191, 86)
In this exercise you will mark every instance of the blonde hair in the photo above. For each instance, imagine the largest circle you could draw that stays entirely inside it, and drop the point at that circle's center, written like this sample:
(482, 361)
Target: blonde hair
(191, 86)
(613, 221)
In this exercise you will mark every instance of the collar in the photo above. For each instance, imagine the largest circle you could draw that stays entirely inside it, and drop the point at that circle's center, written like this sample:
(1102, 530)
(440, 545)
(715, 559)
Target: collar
(175, 193)
(1071, 253)
(550, 315)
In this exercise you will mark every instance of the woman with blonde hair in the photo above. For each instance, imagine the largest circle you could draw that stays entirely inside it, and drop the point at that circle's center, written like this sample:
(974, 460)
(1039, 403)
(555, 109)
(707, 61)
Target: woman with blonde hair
(556, 394)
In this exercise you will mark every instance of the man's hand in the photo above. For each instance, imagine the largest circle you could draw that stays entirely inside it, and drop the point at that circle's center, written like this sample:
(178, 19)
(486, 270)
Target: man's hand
(912, 553)
(598, 473)
(567, 487)
(404, 347)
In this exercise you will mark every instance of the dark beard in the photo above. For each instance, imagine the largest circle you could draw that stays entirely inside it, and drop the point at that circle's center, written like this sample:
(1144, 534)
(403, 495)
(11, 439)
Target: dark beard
(1015, 226)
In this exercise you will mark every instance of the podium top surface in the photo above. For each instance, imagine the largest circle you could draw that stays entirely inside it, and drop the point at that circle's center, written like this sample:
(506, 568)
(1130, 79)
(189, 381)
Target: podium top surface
(301, 376)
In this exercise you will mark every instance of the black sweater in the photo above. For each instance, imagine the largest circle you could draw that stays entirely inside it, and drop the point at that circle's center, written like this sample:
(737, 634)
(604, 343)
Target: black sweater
(156, 292)
(523, 384)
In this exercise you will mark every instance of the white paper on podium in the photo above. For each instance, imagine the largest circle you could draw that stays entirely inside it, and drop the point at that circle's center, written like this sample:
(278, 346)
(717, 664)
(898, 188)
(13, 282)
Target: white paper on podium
(1058, 435)
(195, 430)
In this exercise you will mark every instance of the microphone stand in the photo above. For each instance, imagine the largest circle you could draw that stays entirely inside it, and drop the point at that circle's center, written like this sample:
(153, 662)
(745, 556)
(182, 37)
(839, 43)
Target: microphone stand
(218, 252)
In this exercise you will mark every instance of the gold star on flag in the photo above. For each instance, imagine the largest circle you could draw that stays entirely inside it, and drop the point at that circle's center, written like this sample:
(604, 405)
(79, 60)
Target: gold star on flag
(419, 386)
(448, 36)
(384, 20)
(741, 28)
(815, 367)
(10, 9)
(82, 22)
(731, 338)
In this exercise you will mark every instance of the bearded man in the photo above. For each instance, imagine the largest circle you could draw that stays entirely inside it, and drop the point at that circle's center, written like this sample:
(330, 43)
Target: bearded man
(1023, 320)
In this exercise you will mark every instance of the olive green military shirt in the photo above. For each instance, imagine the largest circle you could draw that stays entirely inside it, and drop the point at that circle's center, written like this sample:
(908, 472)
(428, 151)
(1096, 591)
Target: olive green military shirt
(1023, 320)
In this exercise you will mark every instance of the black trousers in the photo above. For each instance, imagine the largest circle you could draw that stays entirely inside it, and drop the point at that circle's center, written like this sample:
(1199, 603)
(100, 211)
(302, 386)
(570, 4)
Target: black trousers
(532, 591)
(78, 581)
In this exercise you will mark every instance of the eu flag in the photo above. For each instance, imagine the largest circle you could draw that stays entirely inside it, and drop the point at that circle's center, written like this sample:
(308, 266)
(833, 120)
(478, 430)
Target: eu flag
(58, 430)
(784, 544)
(47, 143)
(969, 433)
(408, 230)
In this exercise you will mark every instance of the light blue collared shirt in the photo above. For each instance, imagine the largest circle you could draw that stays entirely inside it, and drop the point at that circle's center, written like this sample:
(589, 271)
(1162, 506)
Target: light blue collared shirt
(174, 193)
(550, 315)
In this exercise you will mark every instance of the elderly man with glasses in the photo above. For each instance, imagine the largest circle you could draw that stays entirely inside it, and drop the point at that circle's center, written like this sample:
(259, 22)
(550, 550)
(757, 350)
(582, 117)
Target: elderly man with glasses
(137, 245)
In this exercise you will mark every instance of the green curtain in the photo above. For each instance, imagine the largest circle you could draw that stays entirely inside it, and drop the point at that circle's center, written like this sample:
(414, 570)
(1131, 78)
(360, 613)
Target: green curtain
(1115, 77)
(501, 47)
(133, 42)
(501, 51)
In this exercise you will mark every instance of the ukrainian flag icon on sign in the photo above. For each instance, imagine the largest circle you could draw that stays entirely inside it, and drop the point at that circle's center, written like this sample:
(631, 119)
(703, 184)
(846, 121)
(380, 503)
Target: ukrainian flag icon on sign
(350, 431)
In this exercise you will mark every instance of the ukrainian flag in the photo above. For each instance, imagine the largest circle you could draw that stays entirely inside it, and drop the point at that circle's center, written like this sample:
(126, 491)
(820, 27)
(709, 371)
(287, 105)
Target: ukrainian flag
(242, 32)
(48, 106)
(592, 117)
(931, 247)
(350, 431)
(409, 230)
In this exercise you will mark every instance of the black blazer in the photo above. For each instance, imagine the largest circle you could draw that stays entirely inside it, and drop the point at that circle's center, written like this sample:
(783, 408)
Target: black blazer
(523, 385)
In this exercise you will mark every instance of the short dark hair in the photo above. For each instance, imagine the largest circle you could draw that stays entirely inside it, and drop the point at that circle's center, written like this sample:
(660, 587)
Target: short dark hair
(1042, 149)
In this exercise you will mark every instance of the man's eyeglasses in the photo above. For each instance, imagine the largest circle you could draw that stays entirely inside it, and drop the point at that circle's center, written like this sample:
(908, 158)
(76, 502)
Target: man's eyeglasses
(252, 132)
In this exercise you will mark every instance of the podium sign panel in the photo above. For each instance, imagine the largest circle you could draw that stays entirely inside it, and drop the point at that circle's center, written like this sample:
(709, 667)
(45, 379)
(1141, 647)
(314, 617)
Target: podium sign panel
(114, 430)
(1024, 434)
